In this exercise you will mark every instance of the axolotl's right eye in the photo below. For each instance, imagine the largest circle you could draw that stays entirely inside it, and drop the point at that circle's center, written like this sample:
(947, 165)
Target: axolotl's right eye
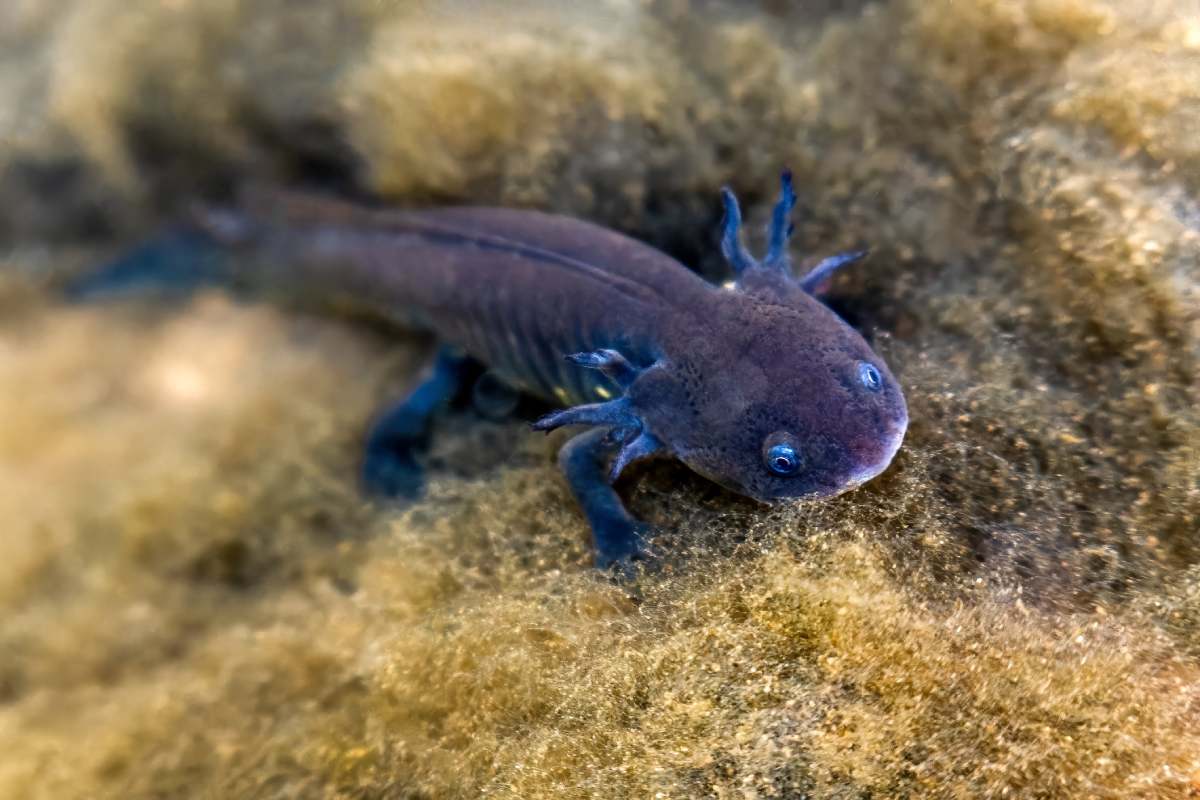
(782, 454)
(869, 375)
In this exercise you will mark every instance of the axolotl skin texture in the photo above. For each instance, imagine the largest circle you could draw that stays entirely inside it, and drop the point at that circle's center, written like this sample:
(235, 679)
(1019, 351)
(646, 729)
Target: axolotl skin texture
(754, 384)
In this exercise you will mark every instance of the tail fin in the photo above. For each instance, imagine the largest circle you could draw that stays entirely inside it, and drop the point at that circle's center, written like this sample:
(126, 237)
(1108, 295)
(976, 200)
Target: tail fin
(174, 264)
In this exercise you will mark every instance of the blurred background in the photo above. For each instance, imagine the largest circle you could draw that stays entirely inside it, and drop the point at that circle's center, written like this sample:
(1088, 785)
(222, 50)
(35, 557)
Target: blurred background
(196, 601)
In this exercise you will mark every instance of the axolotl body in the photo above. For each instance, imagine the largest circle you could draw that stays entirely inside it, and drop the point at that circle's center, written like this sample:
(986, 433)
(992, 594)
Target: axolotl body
(754, 384)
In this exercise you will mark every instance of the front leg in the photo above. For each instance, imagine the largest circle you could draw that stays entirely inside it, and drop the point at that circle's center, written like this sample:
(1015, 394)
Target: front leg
(619, 539)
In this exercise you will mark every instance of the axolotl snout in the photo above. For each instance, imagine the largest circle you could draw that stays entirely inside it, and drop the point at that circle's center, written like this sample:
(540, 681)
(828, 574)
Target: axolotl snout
(754, 384)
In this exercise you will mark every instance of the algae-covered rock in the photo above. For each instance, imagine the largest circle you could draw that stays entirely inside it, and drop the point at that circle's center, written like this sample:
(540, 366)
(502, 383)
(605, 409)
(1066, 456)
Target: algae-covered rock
(196, 601)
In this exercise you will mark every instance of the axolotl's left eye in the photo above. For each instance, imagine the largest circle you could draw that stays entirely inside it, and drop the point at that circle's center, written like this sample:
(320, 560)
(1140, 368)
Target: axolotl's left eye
(782, 455)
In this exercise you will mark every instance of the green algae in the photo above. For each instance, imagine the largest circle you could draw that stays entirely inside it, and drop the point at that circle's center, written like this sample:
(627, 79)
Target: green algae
(197, 602)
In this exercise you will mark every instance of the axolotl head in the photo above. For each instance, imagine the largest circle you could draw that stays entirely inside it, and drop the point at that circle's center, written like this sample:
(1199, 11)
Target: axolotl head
(792, 405)
(778, 398)
(761, 388)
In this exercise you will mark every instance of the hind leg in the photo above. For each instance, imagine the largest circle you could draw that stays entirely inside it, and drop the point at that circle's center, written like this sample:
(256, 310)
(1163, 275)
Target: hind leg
(494, 398)
(398, 440)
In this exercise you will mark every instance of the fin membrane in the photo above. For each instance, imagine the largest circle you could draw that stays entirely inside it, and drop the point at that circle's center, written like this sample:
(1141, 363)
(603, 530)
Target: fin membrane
(174, 264)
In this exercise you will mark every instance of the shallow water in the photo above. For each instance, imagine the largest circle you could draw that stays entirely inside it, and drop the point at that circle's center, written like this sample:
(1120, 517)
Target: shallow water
(194, 599)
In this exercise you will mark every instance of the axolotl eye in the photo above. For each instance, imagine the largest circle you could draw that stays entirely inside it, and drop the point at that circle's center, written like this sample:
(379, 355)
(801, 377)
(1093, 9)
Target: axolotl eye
(869, 375)
(782, 455)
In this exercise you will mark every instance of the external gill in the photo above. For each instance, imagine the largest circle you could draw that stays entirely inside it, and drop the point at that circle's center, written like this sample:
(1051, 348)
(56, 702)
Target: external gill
(780, 230)
(616, 413)
(609, 362)
(627, 429)
(643, 445)
(778, 234)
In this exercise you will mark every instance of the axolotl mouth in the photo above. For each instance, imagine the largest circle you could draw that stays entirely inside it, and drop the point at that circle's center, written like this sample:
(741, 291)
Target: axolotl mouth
(881, 463)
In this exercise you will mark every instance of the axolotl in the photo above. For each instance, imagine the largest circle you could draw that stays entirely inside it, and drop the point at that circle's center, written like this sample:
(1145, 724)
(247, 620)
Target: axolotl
(754, 384)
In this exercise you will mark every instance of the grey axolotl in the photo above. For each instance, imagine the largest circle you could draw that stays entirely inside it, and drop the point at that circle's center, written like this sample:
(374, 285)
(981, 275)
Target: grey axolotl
(755, 384)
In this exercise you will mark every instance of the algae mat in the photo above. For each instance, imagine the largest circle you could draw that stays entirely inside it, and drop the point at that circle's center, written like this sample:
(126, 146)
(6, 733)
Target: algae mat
(195, 601)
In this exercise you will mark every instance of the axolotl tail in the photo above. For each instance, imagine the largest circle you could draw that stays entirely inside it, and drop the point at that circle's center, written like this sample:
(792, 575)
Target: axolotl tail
(303, 252)
(174, 264)
(219, 246)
